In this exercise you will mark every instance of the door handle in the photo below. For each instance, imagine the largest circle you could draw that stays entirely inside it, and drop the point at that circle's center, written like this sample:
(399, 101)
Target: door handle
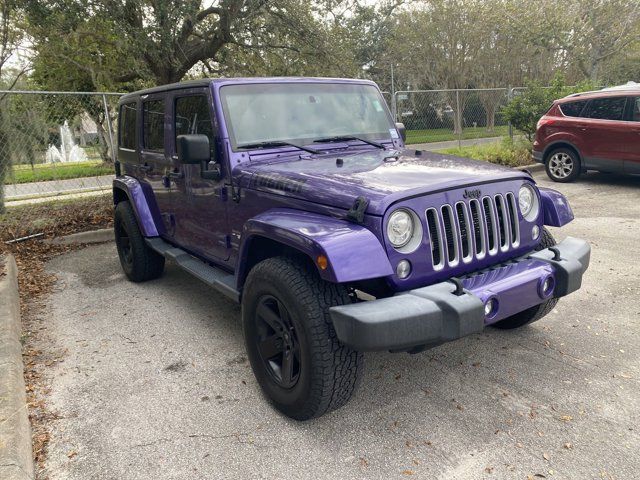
(145, 168)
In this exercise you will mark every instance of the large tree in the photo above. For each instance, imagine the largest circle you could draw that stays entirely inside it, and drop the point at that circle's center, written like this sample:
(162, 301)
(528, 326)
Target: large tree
(120, 44)
(160, 40)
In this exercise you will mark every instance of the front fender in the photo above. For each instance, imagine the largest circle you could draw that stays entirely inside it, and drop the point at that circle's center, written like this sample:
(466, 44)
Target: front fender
(353, 252)
(555, 208)
(141, 197)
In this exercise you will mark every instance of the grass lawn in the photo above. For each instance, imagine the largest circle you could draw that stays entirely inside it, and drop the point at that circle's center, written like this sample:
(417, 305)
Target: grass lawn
(57, 171)
(445, 134)
(511, 153)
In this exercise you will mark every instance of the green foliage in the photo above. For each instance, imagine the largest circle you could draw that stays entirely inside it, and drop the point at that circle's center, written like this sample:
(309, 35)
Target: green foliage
(526, 108)
(516, 153)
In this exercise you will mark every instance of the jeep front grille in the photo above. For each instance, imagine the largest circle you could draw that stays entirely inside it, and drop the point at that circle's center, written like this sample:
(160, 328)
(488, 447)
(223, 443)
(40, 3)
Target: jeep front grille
(464, 231)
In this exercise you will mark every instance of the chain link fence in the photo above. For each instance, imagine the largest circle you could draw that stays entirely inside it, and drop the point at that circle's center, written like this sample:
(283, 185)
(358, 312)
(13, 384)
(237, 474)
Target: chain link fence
(55, 143)
(451, 115)
(62, 143)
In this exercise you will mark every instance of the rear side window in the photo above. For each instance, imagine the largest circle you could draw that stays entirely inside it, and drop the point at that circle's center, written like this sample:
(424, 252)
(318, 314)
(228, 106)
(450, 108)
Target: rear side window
(192, 116)
(153, 127)
(573, 109)
(606, 108)
(127, 127)
(635, 113)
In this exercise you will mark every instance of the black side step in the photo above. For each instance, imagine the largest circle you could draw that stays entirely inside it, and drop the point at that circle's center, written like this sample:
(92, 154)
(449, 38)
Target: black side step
(219, 279)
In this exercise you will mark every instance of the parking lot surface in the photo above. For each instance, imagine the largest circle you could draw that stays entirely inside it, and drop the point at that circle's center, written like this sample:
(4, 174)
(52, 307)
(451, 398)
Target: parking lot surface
(153, 381)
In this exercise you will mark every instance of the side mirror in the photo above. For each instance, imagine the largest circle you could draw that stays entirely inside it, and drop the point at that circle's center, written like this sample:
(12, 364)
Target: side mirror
(193, 149)
(402, 130)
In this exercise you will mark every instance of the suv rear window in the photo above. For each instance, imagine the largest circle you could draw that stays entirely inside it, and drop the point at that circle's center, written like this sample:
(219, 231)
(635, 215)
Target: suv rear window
(153, 128)
(127, 128)
(573, 109)
(606, 108)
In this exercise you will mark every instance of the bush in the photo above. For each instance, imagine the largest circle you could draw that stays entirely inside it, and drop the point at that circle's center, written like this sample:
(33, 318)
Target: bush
(512, 153)
(526, 108)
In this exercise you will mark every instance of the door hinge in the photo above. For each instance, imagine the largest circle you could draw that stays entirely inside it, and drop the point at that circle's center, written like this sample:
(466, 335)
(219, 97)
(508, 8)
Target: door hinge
(222, 194)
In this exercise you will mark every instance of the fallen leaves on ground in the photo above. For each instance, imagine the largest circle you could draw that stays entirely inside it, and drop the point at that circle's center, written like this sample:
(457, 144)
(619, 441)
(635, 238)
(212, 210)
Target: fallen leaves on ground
(51, 219)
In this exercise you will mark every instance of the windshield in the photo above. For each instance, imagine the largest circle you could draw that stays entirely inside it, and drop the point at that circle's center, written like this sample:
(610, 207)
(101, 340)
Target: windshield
(303, 112)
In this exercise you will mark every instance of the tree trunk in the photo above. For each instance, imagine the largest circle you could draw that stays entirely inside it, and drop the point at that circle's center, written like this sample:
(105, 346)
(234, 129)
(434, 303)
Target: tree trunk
(457, 121)
(457, 101)
(103, 143)
(490, 110)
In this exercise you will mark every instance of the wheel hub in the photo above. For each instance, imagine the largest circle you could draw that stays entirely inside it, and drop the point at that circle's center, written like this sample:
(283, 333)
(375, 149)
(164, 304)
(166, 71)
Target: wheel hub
(124, 243)
(561, 165)
(277, 342)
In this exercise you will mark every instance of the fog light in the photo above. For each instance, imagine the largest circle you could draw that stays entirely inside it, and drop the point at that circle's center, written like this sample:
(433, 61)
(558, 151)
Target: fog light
(403, 269)
(547, 286)
(490, 308)
(535, 232)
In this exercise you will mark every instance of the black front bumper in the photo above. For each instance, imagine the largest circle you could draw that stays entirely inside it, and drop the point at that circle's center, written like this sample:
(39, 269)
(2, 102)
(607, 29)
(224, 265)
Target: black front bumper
(429, 316)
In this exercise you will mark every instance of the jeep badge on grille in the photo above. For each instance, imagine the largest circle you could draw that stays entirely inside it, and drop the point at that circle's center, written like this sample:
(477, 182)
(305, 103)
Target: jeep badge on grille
(472, 193)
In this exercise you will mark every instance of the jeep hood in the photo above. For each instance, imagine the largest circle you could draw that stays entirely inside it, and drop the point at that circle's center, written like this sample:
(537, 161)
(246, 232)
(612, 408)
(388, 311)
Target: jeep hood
(382, 176)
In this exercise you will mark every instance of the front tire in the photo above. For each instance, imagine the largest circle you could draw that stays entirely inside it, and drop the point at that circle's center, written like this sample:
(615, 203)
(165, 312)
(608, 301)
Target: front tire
(138, 260)
(292, 346)
(536, 312)
(563, 165)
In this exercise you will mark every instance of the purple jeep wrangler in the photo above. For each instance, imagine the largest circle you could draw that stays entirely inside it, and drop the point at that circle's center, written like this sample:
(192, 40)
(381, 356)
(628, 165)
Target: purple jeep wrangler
(297, 198)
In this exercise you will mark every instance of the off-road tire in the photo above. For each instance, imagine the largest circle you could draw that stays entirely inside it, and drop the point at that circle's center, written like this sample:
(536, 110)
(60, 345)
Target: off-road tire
(138, 260)
(552, 168)
(535, 313)
(328, 372)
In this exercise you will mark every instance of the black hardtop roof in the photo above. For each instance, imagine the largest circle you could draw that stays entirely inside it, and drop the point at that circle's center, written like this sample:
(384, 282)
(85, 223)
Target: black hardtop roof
(203, 82)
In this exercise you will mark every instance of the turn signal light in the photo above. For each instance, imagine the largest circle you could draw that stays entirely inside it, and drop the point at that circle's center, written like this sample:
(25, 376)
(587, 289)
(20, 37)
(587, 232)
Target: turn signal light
(322, 262)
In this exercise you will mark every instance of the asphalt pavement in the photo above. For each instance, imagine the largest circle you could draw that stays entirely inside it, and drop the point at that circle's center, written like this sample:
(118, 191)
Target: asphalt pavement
(153, 381)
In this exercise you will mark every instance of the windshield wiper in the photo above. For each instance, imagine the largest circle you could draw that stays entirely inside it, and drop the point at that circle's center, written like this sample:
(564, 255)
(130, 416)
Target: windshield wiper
(276, 143)
(346, 138)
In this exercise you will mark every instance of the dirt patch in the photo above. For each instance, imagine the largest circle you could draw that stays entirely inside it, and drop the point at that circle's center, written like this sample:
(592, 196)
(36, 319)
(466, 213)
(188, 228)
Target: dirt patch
(58, 218)
(53, 219)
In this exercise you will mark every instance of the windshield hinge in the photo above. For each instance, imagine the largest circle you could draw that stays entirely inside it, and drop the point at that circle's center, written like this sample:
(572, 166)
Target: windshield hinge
(235, 194)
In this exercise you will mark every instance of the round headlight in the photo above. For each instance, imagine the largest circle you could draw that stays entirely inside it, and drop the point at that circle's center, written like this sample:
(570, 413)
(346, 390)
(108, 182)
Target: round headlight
(400, 228)
(528, 202)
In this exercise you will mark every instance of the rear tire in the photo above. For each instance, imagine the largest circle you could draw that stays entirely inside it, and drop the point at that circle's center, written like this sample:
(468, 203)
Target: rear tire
(138, 260)
(535, 313)
(296, 357)
(563, 165)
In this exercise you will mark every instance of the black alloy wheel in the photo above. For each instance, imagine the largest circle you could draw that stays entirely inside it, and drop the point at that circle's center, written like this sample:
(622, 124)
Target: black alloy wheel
(277, 342)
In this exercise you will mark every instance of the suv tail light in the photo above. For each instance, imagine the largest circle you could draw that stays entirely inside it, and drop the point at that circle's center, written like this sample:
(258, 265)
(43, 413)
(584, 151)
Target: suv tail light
(544, 121)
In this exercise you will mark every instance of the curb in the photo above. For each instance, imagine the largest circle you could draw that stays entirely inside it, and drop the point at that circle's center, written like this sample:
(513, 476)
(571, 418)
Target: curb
(534, 167)
(16, 458)
(94, 236)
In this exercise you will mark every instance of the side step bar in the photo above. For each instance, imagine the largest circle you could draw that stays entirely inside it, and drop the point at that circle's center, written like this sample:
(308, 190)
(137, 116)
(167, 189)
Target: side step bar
(219, 279)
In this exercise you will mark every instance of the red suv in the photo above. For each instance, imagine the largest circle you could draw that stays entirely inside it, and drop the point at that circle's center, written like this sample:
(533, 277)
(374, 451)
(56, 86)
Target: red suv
(591, 131)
